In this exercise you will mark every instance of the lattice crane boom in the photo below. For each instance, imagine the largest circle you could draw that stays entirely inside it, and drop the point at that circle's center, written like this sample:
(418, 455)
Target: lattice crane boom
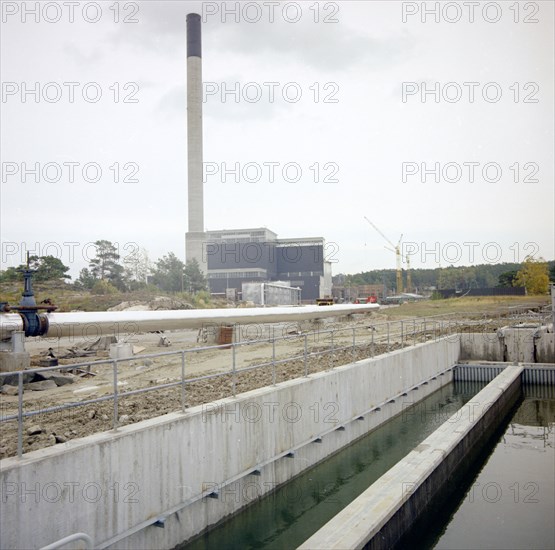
(397, 249)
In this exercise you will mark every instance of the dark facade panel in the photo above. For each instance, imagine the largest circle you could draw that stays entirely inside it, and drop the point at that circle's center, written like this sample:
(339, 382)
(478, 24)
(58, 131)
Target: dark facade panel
(310, 287)
(242, 256)
(300, 259)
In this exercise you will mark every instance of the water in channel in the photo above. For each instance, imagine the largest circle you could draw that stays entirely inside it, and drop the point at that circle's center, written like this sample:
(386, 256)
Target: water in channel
(507, 499)
(288, 516)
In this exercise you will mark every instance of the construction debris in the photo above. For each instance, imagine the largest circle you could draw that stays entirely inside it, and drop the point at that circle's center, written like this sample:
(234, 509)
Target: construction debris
(164, 342)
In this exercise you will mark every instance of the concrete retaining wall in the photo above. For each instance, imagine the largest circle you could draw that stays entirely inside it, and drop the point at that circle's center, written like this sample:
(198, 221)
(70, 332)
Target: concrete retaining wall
(187, 471)
(383, 513)
(510, 345)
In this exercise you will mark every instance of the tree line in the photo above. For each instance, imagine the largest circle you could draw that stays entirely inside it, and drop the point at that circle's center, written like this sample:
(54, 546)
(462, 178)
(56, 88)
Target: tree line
(534, 274)
(107, 272)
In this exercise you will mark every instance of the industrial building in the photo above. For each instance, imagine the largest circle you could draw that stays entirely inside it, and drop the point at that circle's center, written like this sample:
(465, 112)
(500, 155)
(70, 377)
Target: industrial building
(257, 255)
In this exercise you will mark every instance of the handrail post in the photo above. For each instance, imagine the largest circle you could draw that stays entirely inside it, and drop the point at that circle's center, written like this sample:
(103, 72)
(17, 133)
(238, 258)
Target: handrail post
(233, 381)
(183, 406)
(402, 335)
(354, 348)
(20, 414)
(388, 337)
(331, 351)
(273, 362)
(115, 369)
(306, 355)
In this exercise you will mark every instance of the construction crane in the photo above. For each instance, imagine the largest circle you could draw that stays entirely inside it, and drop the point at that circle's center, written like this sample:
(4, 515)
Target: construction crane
(406, 259)
(397, 250)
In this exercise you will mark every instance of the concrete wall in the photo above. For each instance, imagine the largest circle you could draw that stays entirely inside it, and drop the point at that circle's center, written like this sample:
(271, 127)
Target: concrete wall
(380, 516)
(520, 345)
(115, 485)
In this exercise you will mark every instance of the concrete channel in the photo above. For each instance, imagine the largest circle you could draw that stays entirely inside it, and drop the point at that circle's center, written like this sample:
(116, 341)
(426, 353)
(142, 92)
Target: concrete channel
(157, 483)
(386, 510)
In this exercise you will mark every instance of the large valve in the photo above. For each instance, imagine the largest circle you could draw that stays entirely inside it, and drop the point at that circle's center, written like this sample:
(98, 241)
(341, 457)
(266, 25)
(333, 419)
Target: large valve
(34, 323)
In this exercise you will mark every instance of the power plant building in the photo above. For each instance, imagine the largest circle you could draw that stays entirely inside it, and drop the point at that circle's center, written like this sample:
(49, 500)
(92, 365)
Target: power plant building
(254, 255)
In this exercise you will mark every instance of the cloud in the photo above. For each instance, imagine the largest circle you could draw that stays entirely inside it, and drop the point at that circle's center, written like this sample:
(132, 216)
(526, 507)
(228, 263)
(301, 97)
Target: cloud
(332, 47)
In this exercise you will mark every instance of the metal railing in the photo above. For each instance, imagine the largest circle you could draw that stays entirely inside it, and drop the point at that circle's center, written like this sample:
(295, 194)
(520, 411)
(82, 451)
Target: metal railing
(401, 333)
(71, 538)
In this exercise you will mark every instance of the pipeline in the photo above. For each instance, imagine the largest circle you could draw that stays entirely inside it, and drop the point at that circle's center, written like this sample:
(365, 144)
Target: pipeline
(86, 324)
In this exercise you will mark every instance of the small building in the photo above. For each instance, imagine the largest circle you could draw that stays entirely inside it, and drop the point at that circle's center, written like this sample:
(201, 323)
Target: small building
(278, 293)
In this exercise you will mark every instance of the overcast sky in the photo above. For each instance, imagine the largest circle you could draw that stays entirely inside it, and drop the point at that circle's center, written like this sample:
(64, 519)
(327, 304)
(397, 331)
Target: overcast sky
(346, 141)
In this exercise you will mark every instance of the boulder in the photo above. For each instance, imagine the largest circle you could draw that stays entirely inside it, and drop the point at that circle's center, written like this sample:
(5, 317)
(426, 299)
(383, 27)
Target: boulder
(42, 385)
(34, 429)
(10, 390)
(12, 379)
(58, 378)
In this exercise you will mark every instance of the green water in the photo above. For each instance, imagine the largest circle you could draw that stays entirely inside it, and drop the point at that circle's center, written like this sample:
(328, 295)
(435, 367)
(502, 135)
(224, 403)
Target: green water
(288, 516)
(507, 500)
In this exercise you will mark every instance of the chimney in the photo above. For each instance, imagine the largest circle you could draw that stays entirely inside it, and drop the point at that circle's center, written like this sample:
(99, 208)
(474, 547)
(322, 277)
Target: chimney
(195, 237)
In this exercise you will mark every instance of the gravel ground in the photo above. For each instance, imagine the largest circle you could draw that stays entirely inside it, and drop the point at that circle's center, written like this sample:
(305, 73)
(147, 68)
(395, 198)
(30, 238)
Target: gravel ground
(52, 428)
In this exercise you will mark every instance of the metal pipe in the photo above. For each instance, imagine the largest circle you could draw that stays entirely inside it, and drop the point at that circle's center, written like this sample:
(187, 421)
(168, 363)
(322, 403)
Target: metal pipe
(89, 325)
(71, 538)
(10, 322)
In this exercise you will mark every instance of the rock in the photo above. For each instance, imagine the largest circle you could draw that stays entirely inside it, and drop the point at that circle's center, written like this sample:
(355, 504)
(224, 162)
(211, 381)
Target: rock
(34, 429)
(148, 363)
(60, 438)
(91, 414)
(12, 379)
(102, 343)
(105, 417)
(40, 386)
(67, 434)
(52, 439)
(133, 305)
(164, 302)
(58, 378)
(124, 418)
(63, 379)
(10, 390)
(164, 342)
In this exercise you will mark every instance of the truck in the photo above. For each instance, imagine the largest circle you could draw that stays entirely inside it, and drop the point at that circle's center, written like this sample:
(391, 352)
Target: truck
(372, 299)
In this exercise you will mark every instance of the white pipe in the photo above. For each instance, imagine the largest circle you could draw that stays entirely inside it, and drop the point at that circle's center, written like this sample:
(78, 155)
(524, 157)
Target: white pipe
(10, 322)
(90, 324)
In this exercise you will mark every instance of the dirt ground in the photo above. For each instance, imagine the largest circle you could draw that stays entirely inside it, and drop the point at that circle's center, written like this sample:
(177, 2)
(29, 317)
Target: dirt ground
(50, 428)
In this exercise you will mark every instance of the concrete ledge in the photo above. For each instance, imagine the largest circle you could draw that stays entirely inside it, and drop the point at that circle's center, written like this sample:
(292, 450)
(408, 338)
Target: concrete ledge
(383, 513)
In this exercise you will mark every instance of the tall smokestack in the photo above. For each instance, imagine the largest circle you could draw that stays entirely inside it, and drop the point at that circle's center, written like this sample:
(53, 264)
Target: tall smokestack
(195, 237)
